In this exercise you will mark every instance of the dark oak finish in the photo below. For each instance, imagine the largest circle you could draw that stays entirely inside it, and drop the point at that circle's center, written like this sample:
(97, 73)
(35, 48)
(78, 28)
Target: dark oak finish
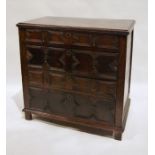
(77, 72)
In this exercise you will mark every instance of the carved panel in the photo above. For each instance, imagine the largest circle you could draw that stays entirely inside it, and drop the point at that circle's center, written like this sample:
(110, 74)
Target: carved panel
(56, 58)
(84, 65)
(35, 55)
(102, 65)
(72, 105)
(107, 66)
(37, 98)
(96, 109)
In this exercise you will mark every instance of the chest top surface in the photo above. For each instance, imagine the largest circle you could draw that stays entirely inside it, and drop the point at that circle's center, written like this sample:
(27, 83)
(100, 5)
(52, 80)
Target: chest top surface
(116, 25)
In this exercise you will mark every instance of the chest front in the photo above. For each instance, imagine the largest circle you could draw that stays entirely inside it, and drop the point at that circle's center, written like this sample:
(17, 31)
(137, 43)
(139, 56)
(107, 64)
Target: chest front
(76, 77)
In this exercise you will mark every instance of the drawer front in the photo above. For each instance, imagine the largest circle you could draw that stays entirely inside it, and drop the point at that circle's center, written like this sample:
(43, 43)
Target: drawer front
(34, 36)
(82, 39)
(69, 83)
(82, 85)
(83, 63)
(71, 105)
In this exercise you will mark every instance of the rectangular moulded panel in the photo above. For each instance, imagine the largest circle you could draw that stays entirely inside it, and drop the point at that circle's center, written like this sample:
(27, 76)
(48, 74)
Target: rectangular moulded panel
(35, 78)
(95, 64)
(35, 56)
(107, 41)
(34, 36)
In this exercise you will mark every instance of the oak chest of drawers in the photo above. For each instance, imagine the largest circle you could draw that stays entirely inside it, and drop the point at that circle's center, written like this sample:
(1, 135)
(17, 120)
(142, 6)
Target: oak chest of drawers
(77, 72)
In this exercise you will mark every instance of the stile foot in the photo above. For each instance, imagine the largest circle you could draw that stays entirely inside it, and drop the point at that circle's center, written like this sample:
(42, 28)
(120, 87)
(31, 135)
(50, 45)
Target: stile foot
(28, 115)
(117, 135)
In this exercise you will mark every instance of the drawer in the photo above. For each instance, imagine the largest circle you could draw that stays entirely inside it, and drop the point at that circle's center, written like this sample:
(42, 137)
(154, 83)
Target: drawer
(71, 105)
(81, 39)
(82, 85)
(67, 82)
(82, 63)
(34, 36)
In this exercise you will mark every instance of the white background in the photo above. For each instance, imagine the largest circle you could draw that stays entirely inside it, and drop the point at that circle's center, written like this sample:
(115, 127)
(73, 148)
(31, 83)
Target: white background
(39, 137)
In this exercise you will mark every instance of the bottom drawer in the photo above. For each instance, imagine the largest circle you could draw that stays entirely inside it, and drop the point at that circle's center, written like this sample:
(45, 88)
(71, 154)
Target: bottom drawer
(72, 105)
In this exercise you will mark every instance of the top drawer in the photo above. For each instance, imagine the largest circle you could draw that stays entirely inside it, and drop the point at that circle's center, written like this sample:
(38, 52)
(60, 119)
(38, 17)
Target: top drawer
(82, 39)
(72, 38)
